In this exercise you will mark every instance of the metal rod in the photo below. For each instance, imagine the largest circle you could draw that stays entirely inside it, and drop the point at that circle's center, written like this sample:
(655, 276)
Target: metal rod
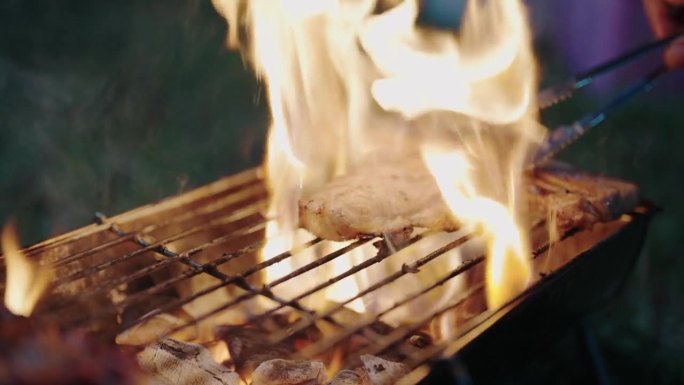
(223, 283)
(109, 285)
(323, 345)
(566, 88)
(267, 288)
(159, 247)
(399, 334)
(233, 182)
(226, 279)
(212, 209)
(225, 258)
(433, 351)
(304, 324)
(380, 256)
(565, 135)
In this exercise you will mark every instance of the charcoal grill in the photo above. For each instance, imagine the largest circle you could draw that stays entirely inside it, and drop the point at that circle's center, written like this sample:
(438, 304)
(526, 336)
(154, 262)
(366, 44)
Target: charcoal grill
(222, 224)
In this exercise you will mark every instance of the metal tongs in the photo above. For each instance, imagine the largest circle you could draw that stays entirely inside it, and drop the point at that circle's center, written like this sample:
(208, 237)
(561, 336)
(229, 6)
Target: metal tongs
(562, 136)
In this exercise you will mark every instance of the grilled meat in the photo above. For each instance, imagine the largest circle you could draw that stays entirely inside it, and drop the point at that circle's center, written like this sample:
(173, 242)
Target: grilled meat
(574, 199)
(395, 198)
(383, 199)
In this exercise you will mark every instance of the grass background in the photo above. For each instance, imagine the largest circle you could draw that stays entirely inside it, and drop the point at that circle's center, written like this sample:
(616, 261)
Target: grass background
(105, 106)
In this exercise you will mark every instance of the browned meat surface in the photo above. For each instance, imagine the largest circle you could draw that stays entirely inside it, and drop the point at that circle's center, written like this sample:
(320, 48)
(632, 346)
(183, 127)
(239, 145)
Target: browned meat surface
(382, 199)
(578, 200)
(398, 197)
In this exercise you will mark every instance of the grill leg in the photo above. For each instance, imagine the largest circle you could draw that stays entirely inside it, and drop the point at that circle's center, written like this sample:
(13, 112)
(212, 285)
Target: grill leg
(588, 341)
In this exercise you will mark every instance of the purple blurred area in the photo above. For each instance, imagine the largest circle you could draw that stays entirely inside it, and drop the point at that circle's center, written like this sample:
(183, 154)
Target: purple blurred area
(584, 33)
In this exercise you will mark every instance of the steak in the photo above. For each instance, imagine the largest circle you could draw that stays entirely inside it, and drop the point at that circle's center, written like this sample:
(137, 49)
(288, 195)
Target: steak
(398, 197)
(378, 200)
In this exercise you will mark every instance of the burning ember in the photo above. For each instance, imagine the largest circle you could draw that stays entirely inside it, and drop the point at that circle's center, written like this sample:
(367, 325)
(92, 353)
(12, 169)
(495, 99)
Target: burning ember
(351, 88)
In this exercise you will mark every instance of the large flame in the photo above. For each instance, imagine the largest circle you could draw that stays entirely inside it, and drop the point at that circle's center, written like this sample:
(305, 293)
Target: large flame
(508, 269)
(26, 279)
(480, 84)
(349, 86)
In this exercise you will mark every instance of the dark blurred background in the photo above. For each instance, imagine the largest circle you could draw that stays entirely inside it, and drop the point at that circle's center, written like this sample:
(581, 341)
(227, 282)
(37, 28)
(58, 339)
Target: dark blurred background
(105, 106)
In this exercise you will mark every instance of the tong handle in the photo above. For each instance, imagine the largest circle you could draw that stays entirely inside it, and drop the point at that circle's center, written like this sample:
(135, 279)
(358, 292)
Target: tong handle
(562, 136)
(625, 58)
(567, 87)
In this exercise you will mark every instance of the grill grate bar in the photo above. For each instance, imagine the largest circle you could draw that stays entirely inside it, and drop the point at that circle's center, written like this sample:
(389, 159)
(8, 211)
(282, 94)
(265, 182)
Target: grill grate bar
(107, 286)
(245, 274)
(306, 323)
(242, 196)
(423, 356)
(158, 246)
(319, 262)
(381, 255)
(323, 285)
(222, 187)
(433, 352)
(214, 272)
(267, 288)
(322, 346)
(399, 334)
(83, 254)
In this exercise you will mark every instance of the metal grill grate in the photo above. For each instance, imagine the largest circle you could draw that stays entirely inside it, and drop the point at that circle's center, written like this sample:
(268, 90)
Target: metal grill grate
(201, 232)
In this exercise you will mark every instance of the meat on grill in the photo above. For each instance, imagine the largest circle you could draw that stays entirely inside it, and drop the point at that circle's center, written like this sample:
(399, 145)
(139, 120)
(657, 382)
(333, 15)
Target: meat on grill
(397, 197)
(575, 200)
(383, 199)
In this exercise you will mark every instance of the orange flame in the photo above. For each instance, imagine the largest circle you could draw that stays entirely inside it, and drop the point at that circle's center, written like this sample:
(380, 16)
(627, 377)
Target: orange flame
(347, 87)
(26, 279)
(508, 269)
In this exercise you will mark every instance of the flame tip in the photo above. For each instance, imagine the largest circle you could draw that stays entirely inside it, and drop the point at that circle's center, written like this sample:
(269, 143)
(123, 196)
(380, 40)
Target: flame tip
(27, 280)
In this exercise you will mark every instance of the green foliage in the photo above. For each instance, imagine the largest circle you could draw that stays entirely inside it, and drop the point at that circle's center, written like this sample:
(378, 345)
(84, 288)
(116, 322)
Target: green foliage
(110, 106)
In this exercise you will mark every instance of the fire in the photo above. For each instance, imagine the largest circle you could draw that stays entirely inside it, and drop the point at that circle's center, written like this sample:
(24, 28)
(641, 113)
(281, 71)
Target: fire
(348, 86)
(219, 352)
(508, 270)
(347, 287)
(26, 279)
(481, 83)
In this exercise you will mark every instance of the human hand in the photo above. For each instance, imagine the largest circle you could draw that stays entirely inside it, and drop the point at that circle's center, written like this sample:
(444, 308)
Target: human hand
(667, 17)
